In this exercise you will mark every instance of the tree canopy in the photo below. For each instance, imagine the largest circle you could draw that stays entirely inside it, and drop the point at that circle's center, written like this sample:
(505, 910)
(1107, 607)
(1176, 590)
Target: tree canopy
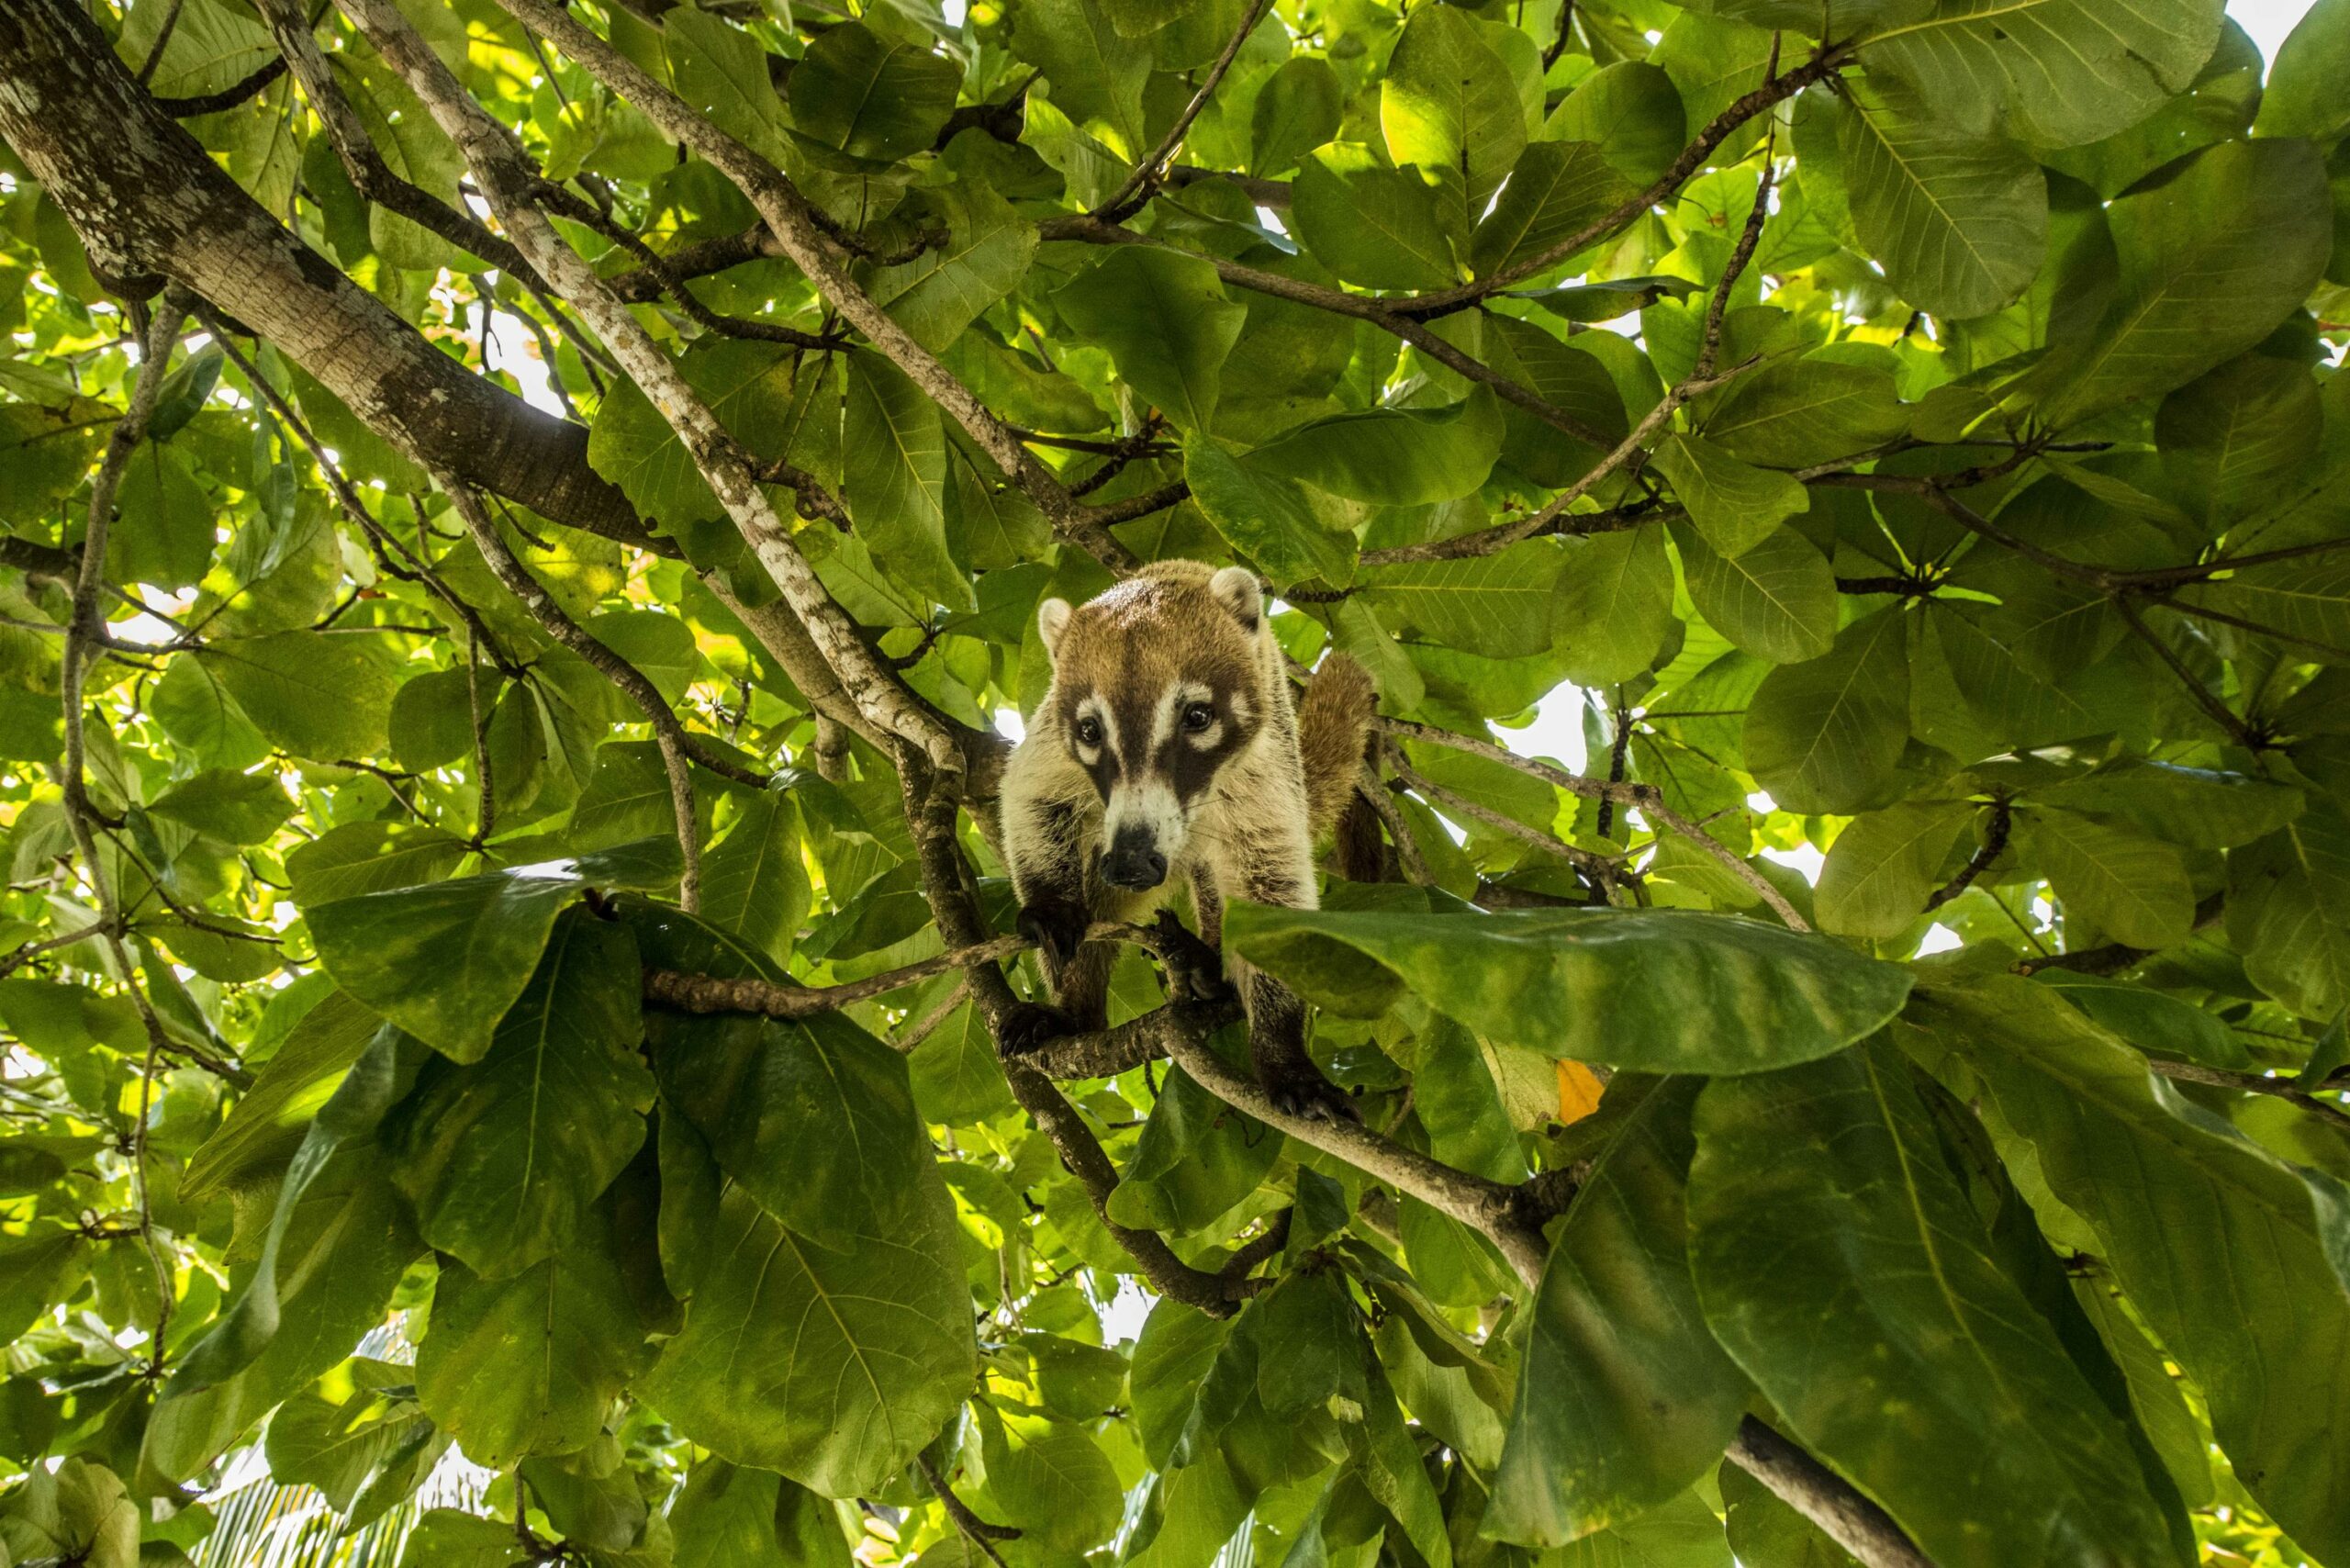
(520, 530)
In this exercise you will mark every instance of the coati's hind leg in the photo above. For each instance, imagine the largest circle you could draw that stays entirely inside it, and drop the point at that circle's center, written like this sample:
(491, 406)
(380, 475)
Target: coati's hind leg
(1277, 1017)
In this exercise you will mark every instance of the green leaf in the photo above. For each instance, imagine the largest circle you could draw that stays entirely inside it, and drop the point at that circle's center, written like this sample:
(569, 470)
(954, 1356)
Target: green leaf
(1370, 225)
(2215, 253)
(1393, 456)
(941, 292)
(2303, 96)
(1557, 190)
(1884, 865)
(1825, 1183)
(2174, 1193)
(1659, 990)
(1053, 1482)
(1682, 1534)
(235, 808)
(1497, 605)
(1265, 517)
(1448, 102)
(754, 882)
(2231, 437)
(371, 858)
(1097, 72)
(1764, 1532)
(163, 530)
(2056, 72)
(1197, 1159)
(1777, 600)
(2131, 888)
(895, 480)
(1613, 607)
(834, 1368)
(755, 1518)
(528, 1364)
(447, 961)
(322, 695)
(1794, 413)
(1164, 319)
(872, 97)
(1630, 111)
(503, 1157)
(1297, 110)
(1624, 1398)
(1825, 735)
(721, 72)
(263, 1128)
(1734, 504)
(813, 1118)
(1959, 218)
(2286, 911)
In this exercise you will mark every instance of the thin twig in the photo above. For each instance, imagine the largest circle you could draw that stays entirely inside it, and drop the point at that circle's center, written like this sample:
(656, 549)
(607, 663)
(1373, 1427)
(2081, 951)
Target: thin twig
(2250, 1083)
(1136, 188)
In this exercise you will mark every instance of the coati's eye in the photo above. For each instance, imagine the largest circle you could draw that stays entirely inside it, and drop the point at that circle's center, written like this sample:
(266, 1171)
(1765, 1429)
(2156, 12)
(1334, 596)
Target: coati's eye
(1089, 731)
(1198, 716)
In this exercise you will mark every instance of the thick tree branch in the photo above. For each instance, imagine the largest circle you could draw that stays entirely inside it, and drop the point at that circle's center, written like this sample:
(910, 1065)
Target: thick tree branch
(149, 202)
(1824, 1498)
(511, 183)
(802, 236)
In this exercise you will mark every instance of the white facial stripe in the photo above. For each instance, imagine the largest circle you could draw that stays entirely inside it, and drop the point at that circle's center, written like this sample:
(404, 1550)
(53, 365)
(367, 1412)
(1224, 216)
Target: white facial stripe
(1240, 708)
(1145, 802)
(1162, 719)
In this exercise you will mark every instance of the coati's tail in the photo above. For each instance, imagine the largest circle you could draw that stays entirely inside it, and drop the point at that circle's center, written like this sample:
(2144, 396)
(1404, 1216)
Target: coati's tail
(1333, 729)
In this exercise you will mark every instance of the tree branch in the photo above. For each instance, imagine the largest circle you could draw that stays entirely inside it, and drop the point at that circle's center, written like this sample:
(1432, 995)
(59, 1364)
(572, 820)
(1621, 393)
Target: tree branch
(1138, 187)
(2250, 1083)
(1824, 1498)
(800, 235)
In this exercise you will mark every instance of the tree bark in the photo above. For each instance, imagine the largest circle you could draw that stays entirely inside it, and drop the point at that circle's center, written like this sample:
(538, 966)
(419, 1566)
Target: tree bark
(150, 204)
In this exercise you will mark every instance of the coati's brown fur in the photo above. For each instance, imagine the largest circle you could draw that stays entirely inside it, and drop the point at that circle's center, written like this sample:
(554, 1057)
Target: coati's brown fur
(1168, 751)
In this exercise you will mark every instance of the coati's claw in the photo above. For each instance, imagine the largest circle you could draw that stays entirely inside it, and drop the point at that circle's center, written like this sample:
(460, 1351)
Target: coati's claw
(1031, 1025)
(1310, 1097)
(1056, 927)
(1195, 970)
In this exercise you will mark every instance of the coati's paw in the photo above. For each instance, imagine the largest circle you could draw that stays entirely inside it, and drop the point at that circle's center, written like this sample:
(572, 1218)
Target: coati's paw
(1195, 970)
(1310, 1097)
(1031, 1025)
(1057, 926)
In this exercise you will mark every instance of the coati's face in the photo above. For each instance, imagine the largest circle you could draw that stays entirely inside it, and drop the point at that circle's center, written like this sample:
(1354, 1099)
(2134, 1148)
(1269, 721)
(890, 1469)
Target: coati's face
(1158, 686)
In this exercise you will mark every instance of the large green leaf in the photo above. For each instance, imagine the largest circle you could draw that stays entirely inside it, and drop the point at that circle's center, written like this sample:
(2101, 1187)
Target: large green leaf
(1734, 504)
(2214, 254)
(834, 1368)
(528, 1364)
(895, 478)
(444, 961)
(2179, 1199)
(2132, 888)
(502, 1157)
(1826, 734)
(1777, 600)
(1497, 605)
(872, 97)
(754, 881)
(1197, 1157)
(2057, 72)
(1378, 226)
(1798, 412)
(1265, 517)
(1883, 865)
(1623, 1398)
(1959, 218)
(1448, 102)
(317, 694)
(1393, 456)
(1558, 189)
(1662, 990)
(1614, 605)
(1164, 319)
(813, 1118)
(1839, 1261)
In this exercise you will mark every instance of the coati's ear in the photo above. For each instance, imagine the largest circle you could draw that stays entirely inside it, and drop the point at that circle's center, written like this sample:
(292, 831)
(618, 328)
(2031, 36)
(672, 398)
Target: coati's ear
(1052, 620)
(1238, 590)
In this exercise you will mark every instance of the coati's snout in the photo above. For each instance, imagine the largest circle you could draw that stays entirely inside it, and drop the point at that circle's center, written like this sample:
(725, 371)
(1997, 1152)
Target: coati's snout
(1157, 685)
(1134, 862)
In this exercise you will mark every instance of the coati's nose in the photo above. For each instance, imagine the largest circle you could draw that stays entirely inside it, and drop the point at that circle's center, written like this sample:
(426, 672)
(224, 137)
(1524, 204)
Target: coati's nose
(1135, 862)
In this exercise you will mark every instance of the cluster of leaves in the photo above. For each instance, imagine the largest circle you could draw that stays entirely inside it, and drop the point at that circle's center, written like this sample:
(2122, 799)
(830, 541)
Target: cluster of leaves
(1902, 428)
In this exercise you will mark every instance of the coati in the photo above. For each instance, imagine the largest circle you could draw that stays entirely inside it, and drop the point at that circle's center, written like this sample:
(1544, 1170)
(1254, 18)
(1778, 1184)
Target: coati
(1168, 750)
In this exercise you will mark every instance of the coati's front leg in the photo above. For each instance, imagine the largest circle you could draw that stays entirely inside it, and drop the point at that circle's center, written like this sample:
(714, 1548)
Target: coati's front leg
(1045, 839)
(1276, 1014)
